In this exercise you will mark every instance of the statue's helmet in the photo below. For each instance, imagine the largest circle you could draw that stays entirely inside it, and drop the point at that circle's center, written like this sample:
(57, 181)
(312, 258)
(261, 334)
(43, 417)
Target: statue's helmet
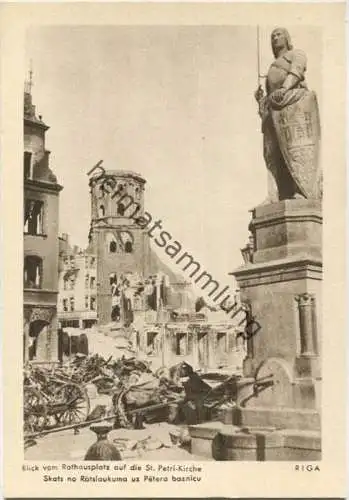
(287, 37)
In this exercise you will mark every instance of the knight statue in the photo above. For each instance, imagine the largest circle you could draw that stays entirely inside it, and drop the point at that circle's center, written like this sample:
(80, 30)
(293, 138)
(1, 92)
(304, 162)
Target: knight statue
(290, 125)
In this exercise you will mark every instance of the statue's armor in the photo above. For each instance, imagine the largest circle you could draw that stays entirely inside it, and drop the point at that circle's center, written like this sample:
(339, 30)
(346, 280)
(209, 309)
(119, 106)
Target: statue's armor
(293, 61)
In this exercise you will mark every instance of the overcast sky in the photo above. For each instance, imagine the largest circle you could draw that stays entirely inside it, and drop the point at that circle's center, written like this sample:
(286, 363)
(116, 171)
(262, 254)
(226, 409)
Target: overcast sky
(172, 103)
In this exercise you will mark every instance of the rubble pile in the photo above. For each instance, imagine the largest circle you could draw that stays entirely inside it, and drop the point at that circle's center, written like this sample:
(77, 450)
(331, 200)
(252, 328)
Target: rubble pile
(134, 395)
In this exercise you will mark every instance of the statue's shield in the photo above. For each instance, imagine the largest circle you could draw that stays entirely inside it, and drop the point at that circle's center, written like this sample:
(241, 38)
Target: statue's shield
(297, 128)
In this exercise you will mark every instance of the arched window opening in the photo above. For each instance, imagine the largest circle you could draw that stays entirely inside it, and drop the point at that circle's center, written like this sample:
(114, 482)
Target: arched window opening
(33, 216)
(121, 209)
(37, 340)
(127, 241)
(32, 272)
(112, 247)
(101, 211)
(128, 247)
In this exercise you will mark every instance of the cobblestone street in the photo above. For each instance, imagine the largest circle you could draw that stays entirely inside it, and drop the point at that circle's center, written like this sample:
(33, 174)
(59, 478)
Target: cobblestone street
(65, 445)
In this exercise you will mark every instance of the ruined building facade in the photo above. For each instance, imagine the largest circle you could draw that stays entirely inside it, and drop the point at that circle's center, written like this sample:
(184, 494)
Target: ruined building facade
(40, 266)
(137, 290)
(77, 284)
(121, 284)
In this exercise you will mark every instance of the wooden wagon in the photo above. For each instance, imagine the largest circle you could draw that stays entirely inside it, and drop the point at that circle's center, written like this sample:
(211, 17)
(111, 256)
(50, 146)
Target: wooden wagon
(51, 401)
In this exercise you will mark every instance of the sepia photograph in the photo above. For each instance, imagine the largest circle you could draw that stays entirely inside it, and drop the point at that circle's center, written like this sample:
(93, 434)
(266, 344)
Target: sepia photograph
(129, 337)
(179, 297)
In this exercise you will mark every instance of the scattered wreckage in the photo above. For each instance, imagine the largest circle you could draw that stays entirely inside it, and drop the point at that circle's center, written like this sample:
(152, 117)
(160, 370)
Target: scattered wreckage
(58, 398)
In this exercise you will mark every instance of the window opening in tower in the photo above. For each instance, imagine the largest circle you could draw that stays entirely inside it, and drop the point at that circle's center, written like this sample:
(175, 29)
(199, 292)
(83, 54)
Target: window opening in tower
(113, 247)
(120, 209)
(128, 247)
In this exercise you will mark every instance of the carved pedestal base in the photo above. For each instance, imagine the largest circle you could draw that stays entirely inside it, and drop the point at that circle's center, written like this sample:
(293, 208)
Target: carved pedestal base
(277, 417)
(283, 288)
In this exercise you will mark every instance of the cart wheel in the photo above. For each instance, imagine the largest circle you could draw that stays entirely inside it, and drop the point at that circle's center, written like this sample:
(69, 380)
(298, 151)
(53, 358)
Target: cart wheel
(75, 404)
(35, 410)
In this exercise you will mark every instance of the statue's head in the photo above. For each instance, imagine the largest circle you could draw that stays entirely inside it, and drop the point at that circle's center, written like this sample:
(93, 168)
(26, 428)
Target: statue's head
(280, 39)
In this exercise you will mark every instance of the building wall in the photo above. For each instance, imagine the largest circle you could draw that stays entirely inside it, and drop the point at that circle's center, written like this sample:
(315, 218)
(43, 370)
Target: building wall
(119, 263)
(40, 342)
(201, 345)
(45, 246)
(77, 281)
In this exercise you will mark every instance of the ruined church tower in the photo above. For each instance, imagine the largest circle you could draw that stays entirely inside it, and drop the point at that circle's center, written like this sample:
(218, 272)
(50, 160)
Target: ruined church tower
(120, 244)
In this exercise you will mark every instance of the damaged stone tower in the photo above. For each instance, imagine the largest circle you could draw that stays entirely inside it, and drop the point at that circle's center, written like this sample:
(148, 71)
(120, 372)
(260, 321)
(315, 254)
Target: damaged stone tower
(120, 244)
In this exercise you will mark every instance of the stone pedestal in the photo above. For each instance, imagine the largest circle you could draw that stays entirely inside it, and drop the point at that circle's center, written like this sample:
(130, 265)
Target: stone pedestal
(277, 414)
(224, 442)
(282, 285)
